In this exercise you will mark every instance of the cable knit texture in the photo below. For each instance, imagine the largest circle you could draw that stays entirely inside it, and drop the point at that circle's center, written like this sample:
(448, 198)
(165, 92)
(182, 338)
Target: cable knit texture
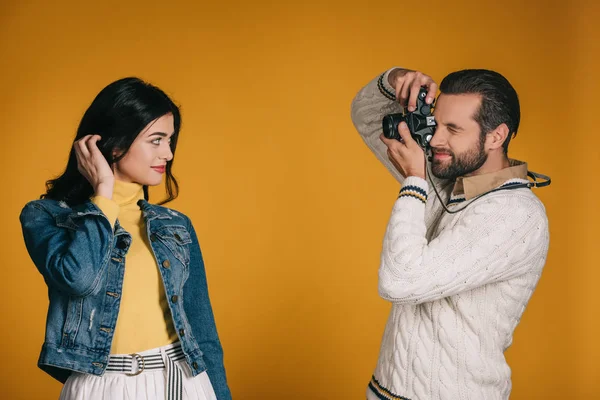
(459, 283)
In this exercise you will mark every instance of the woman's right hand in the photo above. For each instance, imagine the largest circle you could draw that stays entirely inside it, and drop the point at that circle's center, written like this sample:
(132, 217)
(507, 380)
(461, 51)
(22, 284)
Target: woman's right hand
(93, 166)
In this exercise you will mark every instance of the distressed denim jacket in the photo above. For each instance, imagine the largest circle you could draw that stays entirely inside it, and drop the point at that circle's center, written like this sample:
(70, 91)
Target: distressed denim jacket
(82, 261)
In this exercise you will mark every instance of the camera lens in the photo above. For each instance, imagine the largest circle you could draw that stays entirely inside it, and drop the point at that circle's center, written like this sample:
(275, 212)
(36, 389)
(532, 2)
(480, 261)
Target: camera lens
(390, 125)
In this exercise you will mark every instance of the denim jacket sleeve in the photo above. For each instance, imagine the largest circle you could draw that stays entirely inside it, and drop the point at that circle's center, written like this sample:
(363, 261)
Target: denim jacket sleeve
(69, 250)
(200, 316)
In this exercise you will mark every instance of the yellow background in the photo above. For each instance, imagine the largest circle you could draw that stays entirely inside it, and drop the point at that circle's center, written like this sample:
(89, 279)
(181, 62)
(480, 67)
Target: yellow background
(289, 205)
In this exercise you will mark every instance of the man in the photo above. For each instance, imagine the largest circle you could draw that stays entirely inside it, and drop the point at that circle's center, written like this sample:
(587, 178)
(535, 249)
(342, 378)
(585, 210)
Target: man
(458, 269)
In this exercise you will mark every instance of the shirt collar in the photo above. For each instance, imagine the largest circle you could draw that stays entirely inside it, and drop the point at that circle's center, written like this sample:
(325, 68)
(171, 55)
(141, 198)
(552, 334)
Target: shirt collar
(473, 186)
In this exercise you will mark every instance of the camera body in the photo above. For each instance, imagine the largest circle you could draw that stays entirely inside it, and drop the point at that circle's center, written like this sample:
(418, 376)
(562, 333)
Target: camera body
(420, 122)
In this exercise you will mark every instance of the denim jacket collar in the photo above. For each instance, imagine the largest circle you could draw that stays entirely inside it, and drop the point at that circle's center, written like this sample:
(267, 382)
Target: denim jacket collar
(151, 211)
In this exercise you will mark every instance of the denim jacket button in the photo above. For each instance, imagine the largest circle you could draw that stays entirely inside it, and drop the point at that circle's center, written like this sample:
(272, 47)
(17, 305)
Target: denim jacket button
(166, 264)
(195, 365)
(174, 298)
(181, 332)
(178, 237)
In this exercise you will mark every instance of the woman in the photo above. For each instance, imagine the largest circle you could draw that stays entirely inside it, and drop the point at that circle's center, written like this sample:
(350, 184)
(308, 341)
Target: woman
(129, 314)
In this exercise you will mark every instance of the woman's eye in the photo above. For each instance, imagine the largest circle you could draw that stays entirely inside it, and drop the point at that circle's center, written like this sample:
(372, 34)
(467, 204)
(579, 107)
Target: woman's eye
(159, 140)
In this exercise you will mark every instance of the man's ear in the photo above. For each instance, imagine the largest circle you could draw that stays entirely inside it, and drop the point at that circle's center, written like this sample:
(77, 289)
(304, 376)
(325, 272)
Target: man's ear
(496, 138)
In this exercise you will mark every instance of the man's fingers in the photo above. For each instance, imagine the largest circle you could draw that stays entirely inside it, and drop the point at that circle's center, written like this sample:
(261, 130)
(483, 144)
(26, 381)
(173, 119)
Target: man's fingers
(405, 134)
(388, 142)
(414, 93)
(392, 144)
(403, 94)
(396, 151)
(415, 87)
(431, 92)
(408, 86)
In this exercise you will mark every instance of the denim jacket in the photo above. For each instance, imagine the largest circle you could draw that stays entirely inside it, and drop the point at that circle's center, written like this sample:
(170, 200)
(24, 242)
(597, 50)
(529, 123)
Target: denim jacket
(82, 261)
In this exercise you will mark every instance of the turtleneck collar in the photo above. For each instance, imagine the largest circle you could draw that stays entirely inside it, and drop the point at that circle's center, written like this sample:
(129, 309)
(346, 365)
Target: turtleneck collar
(127, 194)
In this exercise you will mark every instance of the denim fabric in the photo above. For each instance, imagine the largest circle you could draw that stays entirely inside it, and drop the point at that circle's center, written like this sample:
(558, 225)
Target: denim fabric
(82, 259)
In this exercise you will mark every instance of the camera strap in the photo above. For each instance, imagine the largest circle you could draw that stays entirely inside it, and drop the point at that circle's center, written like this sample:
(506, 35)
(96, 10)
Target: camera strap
(545, 181)
(535, 176)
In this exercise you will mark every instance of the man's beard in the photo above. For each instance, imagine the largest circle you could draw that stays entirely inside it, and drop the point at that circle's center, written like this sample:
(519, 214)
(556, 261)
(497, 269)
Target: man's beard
(462, 165)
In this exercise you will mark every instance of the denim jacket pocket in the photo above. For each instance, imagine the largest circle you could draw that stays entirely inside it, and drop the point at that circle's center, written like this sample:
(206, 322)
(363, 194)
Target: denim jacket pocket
(177, 239)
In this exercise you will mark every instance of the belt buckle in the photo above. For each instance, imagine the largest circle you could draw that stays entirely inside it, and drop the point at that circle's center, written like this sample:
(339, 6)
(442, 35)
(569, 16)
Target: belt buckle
(140, 362)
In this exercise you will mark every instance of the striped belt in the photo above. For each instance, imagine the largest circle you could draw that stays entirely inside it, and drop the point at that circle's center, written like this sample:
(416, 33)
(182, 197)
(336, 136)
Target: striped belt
(162, 358)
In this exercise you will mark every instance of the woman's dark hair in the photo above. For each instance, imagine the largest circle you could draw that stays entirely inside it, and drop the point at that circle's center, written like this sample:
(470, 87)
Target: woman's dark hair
(499, 100)
(118, 114)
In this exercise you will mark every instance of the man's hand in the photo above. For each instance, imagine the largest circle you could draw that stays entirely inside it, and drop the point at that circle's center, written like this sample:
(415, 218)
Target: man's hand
(406, 155)
(407, 84)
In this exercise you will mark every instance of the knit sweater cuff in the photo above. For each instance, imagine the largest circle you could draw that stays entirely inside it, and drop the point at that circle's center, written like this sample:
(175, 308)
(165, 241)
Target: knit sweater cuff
(416, 188)
(108, 207)
(383, 84)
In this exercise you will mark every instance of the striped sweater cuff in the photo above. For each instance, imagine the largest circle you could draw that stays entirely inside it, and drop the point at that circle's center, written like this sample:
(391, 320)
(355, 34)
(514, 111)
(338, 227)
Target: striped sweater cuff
(383, 84)
(416, 188)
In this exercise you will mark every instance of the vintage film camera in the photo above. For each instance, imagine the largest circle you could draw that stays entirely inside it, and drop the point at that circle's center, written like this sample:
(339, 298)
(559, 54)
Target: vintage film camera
(420, 122)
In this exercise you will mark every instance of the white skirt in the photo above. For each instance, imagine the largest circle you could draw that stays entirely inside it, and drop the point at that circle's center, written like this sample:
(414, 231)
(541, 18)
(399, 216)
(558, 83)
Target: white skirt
(172, 381)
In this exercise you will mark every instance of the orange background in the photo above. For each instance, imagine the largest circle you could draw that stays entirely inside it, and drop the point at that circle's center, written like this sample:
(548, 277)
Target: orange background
(289, 204)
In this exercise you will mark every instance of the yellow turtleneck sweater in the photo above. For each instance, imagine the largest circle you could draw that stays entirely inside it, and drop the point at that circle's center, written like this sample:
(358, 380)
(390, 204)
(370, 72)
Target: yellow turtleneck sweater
(144, 320)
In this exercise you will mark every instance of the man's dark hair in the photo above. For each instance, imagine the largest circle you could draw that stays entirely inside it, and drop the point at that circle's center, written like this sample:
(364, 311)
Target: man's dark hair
(499, 100)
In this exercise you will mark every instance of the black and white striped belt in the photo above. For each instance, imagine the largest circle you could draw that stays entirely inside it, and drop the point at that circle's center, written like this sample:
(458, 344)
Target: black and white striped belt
(163, 358)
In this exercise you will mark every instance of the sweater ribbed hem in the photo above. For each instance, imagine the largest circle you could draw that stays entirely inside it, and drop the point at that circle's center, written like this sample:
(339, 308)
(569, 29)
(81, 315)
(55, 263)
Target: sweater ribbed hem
(383, 393)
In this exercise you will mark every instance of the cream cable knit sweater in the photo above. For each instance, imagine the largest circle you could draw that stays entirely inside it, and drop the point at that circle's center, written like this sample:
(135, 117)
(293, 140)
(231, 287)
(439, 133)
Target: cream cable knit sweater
(459, 283)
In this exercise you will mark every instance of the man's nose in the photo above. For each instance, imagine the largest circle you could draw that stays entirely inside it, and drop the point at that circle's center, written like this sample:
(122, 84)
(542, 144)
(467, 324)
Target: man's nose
(439, 138)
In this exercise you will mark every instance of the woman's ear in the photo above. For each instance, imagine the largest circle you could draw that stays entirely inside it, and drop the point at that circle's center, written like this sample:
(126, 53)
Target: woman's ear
(116, 153)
